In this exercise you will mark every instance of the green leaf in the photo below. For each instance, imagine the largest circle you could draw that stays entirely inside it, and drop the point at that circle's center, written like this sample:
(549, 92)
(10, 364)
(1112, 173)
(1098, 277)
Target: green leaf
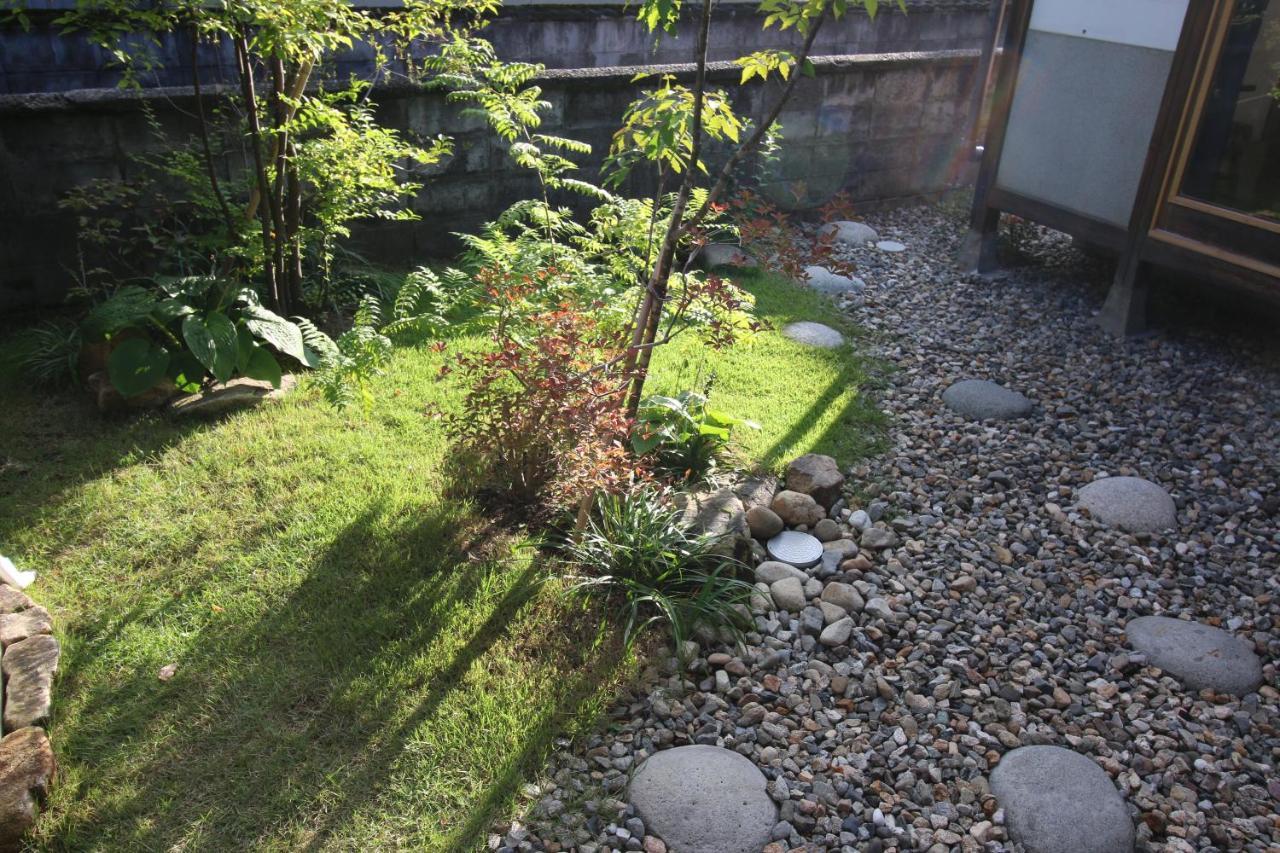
(263, 365)
(280, 333)
(137, 365)
(214, 341)
(245, 347)
(808, 69)
(186, 371)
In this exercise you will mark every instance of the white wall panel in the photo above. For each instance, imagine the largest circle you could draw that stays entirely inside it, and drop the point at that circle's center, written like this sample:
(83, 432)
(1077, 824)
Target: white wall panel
(1140, 23)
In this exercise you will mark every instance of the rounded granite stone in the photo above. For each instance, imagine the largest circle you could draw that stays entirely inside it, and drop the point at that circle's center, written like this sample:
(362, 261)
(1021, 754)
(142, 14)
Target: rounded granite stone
(985, 401)
(715, 255)
(1132, 504)
(1196, 654)
(813, 334)
(824, 280)
(704, 799)
(1058, 801)
(850, 233)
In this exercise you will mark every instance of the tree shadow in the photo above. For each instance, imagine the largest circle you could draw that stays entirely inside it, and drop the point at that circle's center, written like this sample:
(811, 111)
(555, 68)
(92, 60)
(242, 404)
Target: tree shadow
(284, 731)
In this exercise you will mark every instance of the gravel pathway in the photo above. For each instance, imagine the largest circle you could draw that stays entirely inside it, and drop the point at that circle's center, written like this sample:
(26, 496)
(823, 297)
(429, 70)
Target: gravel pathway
(1003, 606)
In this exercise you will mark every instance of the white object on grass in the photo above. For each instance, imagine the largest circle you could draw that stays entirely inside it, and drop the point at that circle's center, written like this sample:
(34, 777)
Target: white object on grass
(9, 574)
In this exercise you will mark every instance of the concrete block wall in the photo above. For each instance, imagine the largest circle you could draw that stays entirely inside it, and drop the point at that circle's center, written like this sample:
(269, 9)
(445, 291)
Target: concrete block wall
(885, 126)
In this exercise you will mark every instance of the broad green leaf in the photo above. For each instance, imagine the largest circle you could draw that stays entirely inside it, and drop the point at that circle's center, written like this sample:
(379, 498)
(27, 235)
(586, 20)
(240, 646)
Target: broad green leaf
(137, 365)
(186, 371)
(279, 333)
(263, 365)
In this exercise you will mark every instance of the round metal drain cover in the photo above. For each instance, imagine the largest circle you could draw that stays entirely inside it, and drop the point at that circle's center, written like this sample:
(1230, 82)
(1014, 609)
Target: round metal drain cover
(799, 549)
(890, 246)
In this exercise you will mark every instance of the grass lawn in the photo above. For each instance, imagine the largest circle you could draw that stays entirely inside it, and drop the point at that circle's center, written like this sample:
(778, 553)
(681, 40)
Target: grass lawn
(363, 662)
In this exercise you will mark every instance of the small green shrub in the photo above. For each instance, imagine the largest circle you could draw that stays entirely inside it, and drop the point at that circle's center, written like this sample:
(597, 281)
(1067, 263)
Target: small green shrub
(683, 436)
(48, 354)
(635, 549)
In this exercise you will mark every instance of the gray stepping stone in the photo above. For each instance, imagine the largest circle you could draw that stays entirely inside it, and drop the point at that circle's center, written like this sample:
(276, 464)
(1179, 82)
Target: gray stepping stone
(824, 280)
(985, 401)
(890, 246)
(715, 255)
(1132, 504)
(850, 233)
(1198, 655)
(1058, 801)
(799, 549)
(704, 799)
(814, 334)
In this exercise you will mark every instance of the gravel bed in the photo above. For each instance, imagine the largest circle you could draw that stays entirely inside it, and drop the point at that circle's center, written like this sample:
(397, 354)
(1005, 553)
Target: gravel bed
(999, 609)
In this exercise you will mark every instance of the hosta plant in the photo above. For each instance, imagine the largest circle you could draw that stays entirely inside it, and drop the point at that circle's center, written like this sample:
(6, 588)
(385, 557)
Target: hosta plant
(191, 331)
(682, 435)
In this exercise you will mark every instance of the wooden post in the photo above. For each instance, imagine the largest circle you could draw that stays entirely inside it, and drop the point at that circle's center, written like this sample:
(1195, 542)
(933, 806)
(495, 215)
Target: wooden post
(978, 253)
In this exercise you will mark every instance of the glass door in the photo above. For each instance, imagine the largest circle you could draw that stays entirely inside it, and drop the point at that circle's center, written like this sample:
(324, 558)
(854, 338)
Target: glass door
(1224, 190)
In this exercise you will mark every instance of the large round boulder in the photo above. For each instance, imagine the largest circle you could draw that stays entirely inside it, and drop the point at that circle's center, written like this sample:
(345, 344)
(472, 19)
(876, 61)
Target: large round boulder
(816, 475)
(1198, 655)
(1132, 504)
(704, 799)
(1058, 801)
(796, 508)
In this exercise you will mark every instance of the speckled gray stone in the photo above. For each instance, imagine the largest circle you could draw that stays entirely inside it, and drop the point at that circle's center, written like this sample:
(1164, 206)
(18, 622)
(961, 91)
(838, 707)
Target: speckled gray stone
(824, 280)
(1129, 503)
(813, 334)
(985, 401)
(715, 255)
(850, 233)
(1198, 655)
(1058, 801)
(704, 799)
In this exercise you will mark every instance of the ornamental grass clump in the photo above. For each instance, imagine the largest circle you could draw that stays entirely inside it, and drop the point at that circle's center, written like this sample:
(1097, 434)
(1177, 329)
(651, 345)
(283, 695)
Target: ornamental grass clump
(636, 553)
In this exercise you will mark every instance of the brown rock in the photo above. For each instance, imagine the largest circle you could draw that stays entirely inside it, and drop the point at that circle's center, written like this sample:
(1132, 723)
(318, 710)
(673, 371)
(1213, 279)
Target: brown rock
(29, 666)
(764, 522)
(229, 396)
(816, 475)
(26, 771)
(797, 508)
(13, 599)
(23, 624)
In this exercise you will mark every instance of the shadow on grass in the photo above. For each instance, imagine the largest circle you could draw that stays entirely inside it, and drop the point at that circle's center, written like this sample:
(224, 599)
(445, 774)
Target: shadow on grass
(283, 732)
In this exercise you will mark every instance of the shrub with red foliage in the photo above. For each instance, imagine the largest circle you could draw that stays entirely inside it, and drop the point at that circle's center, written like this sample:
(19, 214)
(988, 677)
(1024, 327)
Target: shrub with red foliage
(542, 423)
(776, 241)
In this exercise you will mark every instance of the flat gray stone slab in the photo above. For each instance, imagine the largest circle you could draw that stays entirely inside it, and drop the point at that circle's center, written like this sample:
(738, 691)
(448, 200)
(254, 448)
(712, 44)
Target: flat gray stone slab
(715, 255)
(985, 401)
(799, 549)
(1058, 801)
(814, 334)
(850, 233)
(1196, 654)
(1129, 503)
(704, 799)
(891, 246)
(824, 280)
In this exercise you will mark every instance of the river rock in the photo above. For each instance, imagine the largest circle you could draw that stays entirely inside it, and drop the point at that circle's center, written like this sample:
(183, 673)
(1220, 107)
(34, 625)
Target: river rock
(704, 799)
(797, 508)
(1198, 655)
(29, 666)
(1058, 801)
(1132, 504)
(816, 475)
(764, 522)
(850, 233)
(813, 334)
(824, 280)
(981, 400)
(27, 766)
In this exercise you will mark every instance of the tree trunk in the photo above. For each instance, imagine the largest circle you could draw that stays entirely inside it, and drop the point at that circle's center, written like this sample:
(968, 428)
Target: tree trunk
(255, 143)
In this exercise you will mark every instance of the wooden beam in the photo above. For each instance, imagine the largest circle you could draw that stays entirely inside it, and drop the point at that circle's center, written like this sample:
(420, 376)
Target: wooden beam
(979, 250)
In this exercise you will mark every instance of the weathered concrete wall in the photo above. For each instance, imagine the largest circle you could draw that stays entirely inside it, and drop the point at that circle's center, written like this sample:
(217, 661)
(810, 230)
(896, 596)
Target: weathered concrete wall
(885, 126)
